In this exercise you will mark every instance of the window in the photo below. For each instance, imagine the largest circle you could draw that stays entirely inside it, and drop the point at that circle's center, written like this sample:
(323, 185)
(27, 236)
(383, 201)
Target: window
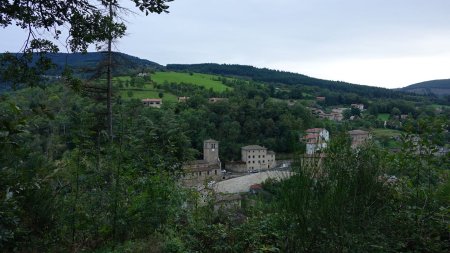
(263, 156)
(259, 156)
(253, 156)
(249, 156)
(215, 172)
(253, 161)
(207, 172)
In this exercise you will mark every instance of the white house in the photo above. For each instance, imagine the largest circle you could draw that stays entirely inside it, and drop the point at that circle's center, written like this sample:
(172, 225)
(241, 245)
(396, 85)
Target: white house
(316, 139)
(152, 102)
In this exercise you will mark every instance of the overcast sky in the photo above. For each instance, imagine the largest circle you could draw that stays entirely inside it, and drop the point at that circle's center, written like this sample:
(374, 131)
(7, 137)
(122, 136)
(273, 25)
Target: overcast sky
(387, 43)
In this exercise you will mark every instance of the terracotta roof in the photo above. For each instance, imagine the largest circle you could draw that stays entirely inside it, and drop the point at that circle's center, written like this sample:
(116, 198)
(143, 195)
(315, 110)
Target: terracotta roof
(252, 147)
(311, 136)
(314, 130)
(196, 166)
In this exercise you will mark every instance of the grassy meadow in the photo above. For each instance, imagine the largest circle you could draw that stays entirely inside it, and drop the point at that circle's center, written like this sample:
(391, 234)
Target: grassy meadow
(203, 80)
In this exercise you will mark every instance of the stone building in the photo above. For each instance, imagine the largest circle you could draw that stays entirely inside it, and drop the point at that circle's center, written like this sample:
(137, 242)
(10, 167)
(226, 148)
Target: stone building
(208, 169)
(152, 102)
(316, 139)
(182, 99)
(359, 137)
(359, 106)
(257, 158)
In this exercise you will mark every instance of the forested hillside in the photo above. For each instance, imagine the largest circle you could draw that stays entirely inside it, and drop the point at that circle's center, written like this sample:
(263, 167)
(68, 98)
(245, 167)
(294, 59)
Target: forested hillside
(434, 87)
(283, 77)
(87, 64)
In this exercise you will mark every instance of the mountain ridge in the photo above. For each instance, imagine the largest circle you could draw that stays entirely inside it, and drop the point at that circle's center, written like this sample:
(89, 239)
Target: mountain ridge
(438, 87)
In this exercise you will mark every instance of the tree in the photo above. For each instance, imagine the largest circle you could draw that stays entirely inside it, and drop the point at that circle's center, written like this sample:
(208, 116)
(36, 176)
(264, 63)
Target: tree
(355, 111)
(395, 111)
(347, 113)
(85, 23)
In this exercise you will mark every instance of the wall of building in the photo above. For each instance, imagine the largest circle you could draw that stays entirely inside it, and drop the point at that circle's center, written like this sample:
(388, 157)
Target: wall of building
(211, 151)
(239, 167)
(256, 159)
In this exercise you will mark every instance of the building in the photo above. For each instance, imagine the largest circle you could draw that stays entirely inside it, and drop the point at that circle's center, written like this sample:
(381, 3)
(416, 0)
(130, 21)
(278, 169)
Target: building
(182, 99)
(336, 116)
(142, 74)
(257, 158)
(316, 139)
(199, 171)
(320, 98)
(152, 102)
(359, 106)
(359, 137)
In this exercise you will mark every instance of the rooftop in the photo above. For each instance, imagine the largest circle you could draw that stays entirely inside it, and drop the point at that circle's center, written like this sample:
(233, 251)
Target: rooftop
(253, 147)
(311, 136)
(315, 130)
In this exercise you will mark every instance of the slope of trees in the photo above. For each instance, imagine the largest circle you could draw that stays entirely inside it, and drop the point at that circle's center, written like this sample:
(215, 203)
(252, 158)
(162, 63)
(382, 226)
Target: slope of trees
(276, 76)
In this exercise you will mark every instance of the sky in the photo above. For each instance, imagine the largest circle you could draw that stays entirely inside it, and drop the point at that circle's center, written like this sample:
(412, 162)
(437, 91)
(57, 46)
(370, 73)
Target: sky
(385, 43)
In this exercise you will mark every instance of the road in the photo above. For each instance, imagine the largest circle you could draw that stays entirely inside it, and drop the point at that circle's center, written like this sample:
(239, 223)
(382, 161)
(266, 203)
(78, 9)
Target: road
(242, 184)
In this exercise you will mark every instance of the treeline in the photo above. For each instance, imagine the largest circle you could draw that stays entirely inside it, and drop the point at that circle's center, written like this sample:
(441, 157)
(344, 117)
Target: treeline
(283, 77)
(87, 65)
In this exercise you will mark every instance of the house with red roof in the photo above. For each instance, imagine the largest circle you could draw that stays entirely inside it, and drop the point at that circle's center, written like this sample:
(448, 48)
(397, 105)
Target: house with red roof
(316, 139)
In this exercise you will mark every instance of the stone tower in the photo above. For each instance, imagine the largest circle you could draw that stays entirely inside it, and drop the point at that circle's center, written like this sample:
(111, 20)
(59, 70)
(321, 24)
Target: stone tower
(211, 151)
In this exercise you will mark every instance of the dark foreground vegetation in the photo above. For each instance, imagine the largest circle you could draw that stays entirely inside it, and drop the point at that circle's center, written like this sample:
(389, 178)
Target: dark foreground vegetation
(66, 187)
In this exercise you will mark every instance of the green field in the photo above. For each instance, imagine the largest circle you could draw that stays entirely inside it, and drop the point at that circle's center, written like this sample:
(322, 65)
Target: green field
(203, 80)
(382, 132)
(385, 137)
(147, 93)
(383, 116)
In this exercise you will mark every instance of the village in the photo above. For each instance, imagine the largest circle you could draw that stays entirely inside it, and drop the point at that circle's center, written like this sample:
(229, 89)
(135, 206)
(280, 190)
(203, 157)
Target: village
(224, 182)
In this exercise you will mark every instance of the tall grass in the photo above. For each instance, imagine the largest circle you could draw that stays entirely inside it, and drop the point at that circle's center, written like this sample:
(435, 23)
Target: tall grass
(326, 203)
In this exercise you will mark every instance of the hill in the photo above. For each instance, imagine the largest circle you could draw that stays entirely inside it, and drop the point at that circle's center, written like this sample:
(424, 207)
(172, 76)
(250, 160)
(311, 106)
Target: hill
(86, 64)
(283, 77)
(433, 87)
